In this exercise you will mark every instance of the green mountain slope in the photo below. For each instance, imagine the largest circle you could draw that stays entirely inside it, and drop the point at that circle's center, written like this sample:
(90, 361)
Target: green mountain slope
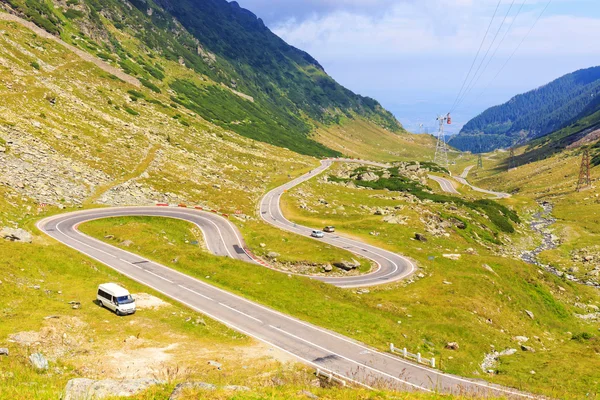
(534, 114)
(246, 79)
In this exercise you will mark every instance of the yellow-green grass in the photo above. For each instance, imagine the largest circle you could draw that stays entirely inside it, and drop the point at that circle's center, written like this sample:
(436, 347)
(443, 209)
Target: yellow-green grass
(430, 312)
(293, 248)
(358, 138)
(93, 333)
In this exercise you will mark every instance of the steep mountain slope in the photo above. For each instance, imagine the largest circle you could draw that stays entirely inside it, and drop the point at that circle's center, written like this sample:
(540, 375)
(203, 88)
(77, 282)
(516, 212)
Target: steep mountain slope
(245, 78)
(534, 114)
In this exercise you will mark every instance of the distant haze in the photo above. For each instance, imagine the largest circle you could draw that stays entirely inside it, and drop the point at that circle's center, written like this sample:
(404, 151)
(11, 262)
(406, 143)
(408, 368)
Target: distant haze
(413, 55)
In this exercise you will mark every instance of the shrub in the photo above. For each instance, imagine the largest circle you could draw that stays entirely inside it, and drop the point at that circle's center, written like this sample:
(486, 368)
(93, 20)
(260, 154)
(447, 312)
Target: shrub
(35, 65)
(131, 111)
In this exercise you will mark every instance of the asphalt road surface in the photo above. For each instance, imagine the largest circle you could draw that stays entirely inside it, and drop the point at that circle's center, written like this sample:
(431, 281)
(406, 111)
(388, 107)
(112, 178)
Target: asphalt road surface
(463, 179)
(390, 266)
(445, 184)
(330, 352)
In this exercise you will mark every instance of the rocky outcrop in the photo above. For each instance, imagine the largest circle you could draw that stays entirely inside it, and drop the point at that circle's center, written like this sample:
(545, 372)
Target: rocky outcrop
(15, 235)
(88, 389)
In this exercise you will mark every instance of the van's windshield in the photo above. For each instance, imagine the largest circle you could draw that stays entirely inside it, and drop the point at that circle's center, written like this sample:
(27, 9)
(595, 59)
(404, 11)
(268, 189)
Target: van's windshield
(125, 299)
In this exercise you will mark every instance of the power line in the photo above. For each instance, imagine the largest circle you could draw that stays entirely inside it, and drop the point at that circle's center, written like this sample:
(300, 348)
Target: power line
(477, 77)
(516, 49)
(477, 55)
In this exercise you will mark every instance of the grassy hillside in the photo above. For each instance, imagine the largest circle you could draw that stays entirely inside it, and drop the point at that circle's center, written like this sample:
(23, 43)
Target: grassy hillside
(216, 60)
(360, 139)
(450, 300)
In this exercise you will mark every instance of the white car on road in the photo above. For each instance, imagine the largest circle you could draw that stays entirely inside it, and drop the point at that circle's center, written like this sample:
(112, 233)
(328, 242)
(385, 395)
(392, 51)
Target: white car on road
(317, 234)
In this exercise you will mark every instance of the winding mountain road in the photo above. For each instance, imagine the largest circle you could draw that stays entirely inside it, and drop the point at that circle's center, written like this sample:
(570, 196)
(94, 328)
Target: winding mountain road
(344, 358)
(463, 179)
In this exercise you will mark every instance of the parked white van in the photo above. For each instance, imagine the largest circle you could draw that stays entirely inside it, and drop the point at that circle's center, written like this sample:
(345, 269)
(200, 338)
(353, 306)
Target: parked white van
(116, 298)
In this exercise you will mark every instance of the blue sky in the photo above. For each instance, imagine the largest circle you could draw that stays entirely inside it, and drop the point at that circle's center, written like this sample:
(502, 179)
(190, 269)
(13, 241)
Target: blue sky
(414, 55)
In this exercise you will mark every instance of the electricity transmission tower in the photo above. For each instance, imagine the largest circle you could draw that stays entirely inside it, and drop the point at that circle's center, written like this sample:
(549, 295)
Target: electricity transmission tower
(585, 179)
(479, 162)
(511, 161)
(441, 149)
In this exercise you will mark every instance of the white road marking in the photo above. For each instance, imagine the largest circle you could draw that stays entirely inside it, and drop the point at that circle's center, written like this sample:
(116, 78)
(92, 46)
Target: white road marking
(350, 360)
(241, 312)
(158, 276)
(196, 293)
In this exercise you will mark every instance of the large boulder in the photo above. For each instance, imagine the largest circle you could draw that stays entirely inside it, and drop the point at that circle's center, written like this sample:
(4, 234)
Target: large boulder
(87, 389)
(347, 265)
(15, 235)
(368, 177)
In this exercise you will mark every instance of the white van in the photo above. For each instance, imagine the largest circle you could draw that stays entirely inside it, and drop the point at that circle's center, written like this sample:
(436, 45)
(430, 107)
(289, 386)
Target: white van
(116, 298)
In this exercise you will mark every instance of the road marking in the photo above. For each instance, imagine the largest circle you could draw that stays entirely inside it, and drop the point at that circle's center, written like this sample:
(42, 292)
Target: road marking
(352, 361)
(241, 312)
(199, 294)
(158, 276)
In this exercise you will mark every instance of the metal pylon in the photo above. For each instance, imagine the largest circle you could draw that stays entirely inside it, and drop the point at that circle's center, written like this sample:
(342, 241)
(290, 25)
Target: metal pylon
(511, 161)
(441, 148)
(585, 178)
(479, 162)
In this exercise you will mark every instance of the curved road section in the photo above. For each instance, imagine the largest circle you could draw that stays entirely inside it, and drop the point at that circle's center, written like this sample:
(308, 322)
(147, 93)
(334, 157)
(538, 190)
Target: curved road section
(343, 358)
(390, 266)
(463, 179)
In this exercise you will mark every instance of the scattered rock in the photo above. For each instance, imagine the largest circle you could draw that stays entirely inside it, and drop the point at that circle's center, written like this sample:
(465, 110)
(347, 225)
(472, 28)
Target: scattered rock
(452, 256)
(527, 348)
(180, 388)
(38, 361)
(489, 269)
(272, 255)
(75, 305)
(309, 394)
(327, 268)
(15, 235)
(3, 351)
(452, 346)
(447, 283)
(84, 389)
(420, 237)
(363, 291)
(368, 177)
(263, 245)
(347, 265)
(529, 314)
(109, 237)
(521, 339)
(218, 365)
(236, 388)
(126, 243)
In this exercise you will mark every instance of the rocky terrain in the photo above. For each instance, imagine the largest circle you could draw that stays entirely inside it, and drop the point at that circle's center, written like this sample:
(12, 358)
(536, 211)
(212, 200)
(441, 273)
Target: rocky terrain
(541, 223)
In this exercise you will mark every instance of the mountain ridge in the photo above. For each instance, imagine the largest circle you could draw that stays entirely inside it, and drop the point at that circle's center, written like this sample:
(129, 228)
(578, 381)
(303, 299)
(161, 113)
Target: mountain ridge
(533, 114)
(227, 47)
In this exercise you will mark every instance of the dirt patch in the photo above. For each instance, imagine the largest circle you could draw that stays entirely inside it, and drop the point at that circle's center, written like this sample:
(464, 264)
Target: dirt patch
(131, 363)
(61, 336)
(145, 301)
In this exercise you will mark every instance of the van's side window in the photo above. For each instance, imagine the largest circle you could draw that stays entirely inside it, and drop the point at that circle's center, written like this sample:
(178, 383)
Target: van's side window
(102, 293)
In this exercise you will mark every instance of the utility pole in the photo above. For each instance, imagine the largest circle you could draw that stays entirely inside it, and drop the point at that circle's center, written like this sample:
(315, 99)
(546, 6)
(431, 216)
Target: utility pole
(585, 179)
(511, 161)
(441, 149)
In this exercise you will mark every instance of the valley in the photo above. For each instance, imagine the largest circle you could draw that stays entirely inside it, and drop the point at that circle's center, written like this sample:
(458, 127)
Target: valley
(187, 153)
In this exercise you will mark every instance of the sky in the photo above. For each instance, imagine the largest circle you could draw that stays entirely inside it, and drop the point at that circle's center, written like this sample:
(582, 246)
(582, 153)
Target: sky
(414, 55)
